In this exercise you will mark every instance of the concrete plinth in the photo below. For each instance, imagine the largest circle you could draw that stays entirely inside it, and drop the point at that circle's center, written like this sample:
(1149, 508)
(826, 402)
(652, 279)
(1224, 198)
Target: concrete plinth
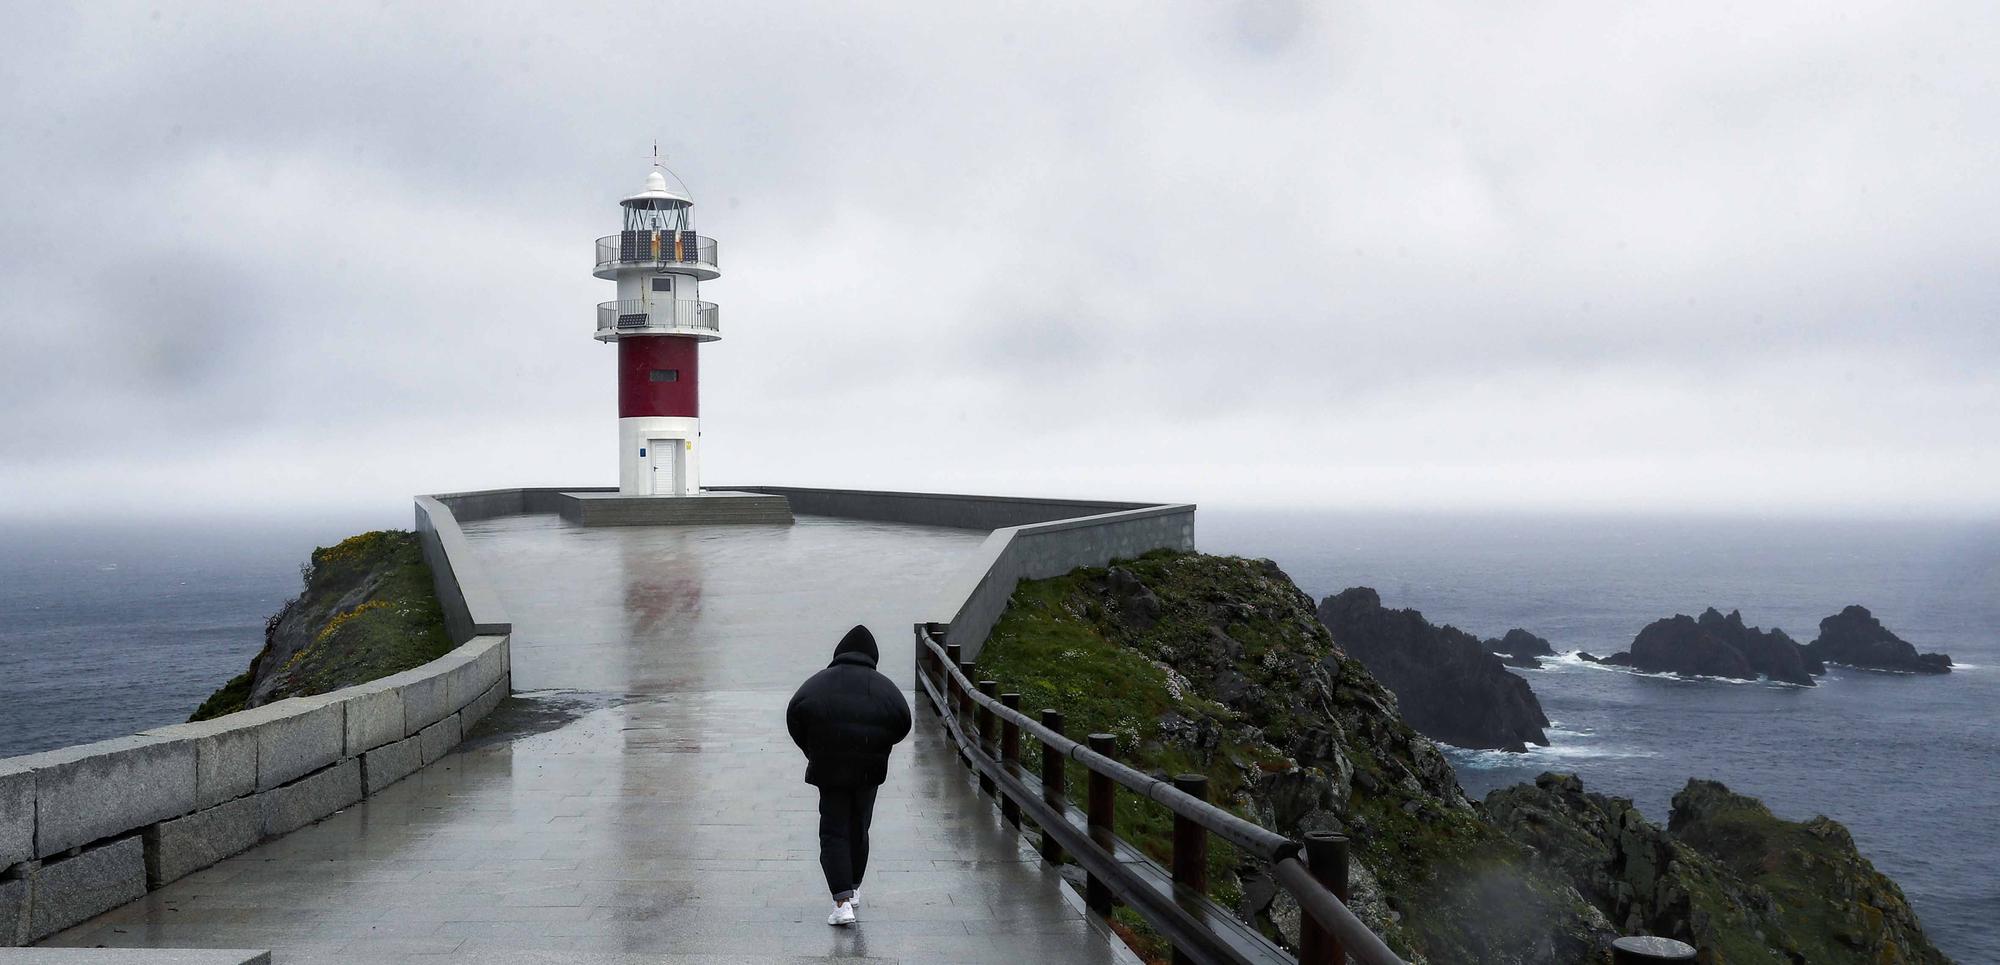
(706, 509)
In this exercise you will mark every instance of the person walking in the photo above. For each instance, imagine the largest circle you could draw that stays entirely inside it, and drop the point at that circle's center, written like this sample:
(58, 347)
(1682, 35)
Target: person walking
(846, 719)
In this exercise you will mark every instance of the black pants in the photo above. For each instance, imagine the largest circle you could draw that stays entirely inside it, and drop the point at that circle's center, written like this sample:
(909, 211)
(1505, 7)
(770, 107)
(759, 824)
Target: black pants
(844, 816)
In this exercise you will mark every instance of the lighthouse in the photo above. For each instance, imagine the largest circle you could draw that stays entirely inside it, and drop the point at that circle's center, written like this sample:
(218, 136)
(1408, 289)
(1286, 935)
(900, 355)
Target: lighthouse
(658, 323)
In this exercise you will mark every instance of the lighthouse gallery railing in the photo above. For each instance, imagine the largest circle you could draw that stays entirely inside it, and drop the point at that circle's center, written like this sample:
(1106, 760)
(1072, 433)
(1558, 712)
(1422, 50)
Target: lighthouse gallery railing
(655, 248)
(633, 314)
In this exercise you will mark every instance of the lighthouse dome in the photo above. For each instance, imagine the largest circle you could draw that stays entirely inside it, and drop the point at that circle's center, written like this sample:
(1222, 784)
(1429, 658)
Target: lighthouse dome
(658, 196)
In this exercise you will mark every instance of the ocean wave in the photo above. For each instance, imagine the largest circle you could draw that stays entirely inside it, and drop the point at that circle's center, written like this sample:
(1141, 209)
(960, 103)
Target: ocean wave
(1572, 660)
(1481, 759)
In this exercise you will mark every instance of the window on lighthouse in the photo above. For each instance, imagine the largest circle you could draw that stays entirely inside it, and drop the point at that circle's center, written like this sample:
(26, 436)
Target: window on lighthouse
(664, 283)
(665, 375)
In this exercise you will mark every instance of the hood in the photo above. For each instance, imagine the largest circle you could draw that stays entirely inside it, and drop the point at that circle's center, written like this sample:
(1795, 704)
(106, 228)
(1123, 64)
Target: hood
(859, 643)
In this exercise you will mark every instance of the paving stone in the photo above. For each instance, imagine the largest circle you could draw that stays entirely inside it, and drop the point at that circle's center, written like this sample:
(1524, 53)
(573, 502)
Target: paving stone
(390, 763)
(62, 893)
(438, 739)
(374, 716)
(188, 844)
(92, 791)
(13, 911)
(225, 757)
(295, 805)
(483, 705)
(297, 736)
(17, 816)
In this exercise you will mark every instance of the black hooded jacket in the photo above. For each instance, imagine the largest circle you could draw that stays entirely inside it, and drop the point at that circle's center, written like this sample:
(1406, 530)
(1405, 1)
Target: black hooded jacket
(848, 716)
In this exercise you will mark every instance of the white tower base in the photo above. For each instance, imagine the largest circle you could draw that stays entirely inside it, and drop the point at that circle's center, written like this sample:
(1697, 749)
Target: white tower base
(659, 456)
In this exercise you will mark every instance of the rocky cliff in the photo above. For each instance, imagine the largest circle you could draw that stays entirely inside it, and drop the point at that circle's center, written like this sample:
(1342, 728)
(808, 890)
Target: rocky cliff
(1447, 683)
(1218, 665)
(1725, 875)
(367, 610)
(1855, 638)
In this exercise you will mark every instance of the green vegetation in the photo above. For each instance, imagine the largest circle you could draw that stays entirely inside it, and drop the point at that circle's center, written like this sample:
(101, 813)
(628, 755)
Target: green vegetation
(1217, 665)
(367, 611)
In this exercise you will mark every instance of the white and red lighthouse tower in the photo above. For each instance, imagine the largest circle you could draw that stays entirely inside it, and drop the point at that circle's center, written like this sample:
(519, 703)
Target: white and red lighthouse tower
(658, 323)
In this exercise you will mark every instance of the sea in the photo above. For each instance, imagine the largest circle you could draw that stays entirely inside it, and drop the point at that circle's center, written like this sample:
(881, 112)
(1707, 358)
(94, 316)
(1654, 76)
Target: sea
(1909, 763)
(110, 629)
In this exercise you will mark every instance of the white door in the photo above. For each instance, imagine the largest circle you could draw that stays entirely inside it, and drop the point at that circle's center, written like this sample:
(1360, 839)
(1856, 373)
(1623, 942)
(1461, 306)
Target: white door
(668, 455)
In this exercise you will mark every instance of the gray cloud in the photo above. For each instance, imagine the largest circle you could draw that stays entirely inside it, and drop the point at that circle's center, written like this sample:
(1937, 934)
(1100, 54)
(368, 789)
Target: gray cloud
(1366, 254)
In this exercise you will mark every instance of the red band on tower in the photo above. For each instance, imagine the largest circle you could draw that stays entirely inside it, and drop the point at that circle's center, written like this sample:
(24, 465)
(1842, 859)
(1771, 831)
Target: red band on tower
(658, 375)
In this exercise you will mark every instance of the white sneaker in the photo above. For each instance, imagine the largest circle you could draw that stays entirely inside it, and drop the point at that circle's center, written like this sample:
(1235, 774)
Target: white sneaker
(843, 914)
(855, 899)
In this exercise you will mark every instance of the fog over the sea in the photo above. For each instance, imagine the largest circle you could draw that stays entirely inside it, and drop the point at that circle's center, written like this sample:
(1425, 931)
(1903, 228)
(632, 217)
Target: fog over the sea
(290, 257)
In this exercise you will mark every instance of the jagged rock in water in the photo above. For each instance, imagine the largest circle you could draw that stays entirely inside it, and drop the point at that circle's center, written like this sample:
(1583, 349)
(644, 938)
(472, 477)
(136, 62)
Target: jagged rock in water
(1855, 638)
(1520, 643)
(1447, 683)
(1718, 646)
(1620, 659)
(1725, 875)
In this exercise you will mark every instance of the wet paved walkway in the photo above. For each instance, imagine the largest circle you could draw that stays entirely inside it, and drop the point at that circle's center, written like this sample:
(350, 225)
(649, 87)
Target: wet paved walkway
(642, 803)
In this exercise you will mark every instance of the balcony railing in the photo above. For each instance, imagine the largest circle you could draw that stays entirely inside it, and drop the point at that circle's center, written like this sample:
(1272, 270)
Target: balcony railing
(648, 248)
(637, 315)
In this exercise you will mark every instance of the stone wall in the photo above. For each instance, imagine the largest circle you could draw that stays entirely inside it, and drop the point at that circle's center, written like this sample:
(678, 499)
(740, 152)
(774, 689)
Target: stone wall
(87, 828)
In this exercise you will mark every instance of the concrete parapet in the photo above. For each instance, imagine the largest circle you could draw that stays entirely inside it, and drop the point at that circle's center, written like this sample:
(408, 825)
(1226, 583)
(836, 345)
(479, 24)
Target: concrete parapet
(482, 705)
(139, 956)
(438, 739)
(17, 817)
(84, 885)
(297, 736)
(426, 692)
(471, 607)
(390, 763)
(483, 666)
(182, 846)
(13, 911)
(225, 757)
(108, 788)
(295, 805)
(374, 716)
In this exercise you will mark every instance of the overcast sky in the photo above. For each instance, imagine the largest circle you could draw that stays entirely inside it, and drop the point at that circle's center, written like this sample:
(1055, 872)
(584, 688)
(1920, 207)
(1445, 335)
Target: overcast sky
(289, 257)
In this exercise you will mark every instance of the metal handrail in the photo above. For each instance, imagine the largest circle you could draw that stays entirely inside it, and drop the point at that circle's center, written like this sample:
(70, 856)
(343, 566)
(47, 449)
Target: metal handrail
(611, 251)
(1317, 900)
(662, 313)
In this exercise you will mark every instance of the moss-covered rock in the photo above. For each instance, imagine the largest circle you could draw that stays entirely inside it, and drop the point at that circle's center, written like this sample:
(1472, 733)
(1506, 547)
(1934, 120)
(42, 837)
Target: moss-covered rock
(367, 610)
(1219, 665)
(1726, 876)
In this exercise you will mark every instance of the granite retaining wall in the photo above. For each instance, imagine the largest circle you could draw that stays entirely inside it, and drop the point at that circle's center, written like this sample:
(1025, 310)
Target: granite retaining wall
(87, 828)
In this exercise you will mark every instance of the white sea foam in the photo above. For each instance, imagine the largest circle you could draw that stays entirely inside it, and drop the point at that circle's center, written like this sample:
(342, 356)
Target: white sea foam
(1559, 751)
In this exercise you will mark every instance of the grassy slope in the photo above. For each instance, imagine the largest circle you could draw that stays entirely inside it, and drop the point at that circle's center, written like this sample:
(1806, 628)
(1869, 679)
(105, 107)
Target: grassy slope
(367, 611)
(1451, 883)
